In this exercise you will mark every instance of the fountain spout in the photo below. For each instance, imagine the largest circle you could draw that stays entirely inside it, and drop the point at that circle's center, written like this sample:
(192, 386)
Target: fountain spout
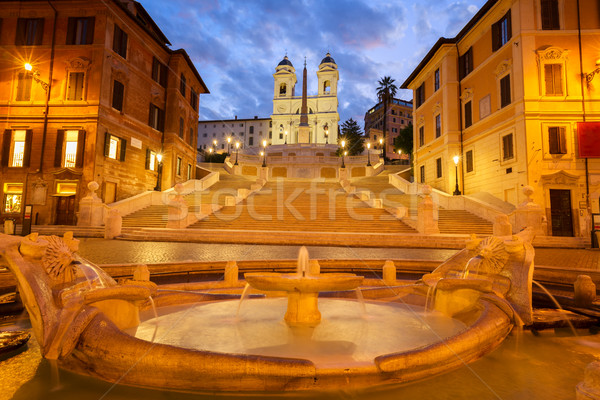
(302, 266)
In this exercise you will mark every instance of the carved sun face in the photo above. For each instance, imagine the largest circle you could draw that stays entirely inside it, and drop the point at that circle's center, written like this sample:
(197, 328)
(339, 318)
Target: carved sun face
(58, 259)
(493, 253)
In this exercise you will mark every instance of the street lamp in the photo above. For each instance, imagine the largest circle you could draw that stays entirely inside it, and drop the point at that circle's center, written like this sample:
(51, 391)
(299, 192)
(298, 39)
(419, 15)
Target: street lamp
(368, 154)
(215, 144)
(285, 137)
(343, 153)
(456, 159)
(326, 129)
(264, 143)
(159, 157)
(381, 146)
(237, 150)
(36, 76)
(228, 144)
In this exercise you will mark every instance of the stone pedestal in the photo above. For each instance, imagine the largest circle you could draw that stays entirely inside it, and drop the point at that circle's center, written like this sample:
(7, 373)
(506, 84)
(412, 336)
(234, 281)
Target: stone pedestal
(530, 215)
(113, 225)
(141, 273)
(178, 210)
(303, 134)
(91, 208)
(426, 223)
(231, 273)
(389, 273)
(342, 174)
(264, 173)
(584, 291)
(589, 389)
(502, 226)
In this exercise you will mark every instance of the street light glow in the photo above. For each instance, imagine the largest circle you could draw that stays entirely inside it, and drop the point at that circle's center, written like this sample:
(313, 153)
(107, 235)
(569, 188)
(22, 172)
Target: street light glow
(28, 67)
(159, 157)
(369, 145)
(456, 158)
(343, 144)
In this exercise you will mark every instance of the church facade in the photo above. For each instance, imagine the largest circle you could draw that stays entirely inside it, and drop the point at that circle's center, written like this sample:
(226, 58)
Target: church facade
(322, 109)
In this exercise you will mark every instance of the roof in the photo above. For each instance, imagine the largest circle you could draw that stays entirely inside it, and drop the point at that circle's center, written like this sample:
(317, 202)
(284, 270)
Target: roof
(442, 41)
(285, 61)
(192, 68)
(327, 59)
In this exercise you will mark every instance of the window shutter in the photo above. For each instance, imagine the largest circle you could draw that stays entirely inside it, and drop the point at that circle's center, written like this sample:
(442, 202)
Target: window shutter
(548, 79)
(557, 73)
(80, 149)
(39, 31)
(123, 149)
(27, 154)
(90, 30)
(58, 151)
(147, 158)
(161, 120)
(496, 40)
(553, 141)
(6, 147)
(163, 76)
(562, 140)
(106, 144)
(508, 25)
(71, 27)
(21, 29)
(151, 112)
(468, 114)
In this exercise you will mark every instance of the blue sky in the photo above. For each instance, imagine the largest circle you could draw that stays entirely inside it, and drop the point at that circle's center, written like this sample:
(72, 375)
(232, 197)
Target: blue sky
(236, 45)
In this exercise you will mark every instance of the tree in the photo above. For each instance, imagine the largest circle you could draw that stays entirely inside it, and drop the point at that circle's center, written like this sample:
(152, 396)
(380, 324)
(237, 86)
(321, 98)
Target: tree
(386, 91)
(352, 134)
(404, 140)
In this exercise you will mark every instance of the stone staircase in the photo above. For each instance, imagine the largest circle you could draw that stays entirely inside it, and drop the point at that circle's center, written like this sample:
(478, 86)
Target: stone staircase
(449, 221)
(156, 216)
(305, 206)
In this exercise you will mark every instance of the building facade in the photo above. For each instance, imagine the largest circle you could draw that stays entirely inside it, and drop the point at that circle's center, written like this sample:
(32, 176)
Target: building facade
(90, 91)
(323, 117)
(221, 135)
(399, 116)
(506, 96)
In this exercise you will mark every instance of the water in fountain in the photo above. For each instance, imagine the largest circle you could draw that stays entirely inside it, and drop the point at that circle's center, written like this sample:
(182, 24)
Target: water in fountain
(242, 297)
(302, 266)
(562, 311)
(155, 317)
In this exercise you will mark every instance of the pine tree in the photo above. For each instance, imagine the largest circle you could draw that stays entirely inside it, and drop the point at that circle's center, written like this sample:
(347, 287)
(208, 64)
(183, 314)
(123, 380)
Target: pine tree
(352, 134)
(404, 140)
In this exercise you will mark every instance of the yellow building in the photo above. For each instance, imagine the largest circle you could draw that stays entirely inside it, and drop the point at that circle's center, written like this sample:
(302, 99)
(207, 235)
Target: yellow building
(505, 95)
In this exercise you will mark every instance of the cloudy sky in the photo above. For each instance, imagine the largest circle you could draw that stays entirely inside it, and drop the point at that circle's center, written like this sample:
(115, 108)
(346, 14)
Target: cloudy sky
(236, 45)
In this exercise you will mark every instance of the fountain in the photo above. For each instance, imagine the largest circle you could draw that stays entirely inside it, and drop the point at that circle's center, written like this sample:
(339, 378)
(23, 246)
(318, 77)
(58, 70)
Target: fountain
(91, 325)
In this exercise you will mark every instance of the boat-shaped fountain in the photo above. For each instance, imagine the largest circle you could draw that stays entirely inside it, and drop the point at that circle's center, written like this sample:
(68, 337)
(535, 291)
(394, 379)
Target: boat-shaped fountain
(91, 325)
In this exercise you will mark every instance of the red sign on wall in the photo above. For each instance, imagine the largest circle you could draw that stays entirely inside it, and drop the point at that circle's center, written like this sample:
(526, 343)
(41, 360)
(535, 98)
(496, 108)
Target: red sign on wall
(588, 135)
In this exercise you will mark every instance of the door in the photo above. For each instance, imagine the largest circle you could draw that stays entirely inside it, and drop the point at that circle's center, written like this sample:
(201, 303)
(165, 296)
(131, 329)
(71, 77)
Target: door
(65, 210)
(110, 192)
(560, 212)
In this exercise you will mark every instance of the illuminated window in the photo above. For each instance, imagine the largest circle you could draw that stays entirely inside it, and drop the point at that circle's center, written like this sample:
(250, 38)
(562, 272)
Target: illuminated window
(13, 196)
(151, 160)
(71, 149)
(114, 147)
(112, 150)
(18, 150)
(189, 171)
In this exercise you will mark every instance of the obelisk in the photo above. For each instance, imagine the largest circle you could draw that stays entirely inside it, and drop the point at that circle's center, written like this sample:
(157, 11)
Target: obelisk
(303, 128)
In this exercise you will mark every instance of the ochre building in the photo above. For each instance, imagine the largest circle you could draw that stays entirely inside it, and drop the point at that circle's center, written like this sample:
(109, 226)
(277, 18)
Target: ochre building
(90, 91)
(506, 96)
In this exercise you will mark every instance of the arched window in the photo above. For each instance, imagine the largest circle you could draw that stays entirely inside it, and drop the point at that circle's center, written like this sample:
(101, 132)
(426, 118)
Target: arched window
(282, 89)
(326, 87)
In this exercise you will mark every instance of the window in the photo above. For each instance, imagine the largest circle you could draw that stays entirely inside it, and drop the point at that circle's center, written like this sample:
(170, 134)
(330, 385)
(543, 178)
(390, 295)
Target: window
(16, 148)
(80, 30)
(182, 84)
(469, 160)
(114, 147)
(420, 95)
(24, 86)
(189, 172)
(438, 126)
(553, 79)
(468, 114)
(69, 148)
(118, 91)
(436, 80)
(194, 99)
(178, 166)
(438, 167)
(422, 173)
(29, 31)
(192, 137)
(421, 136)
(250, 141)
(181, 127)
(75, 86)
(151, 160)
(251, 130)
(549, 10)
(13, 198)
(505, 91)
(501, 32)
(270, 134)
(465, 64)
(557, 140)
(507, 147)
(157, 118)
(120, 42)
(159, 72)
(280, 135)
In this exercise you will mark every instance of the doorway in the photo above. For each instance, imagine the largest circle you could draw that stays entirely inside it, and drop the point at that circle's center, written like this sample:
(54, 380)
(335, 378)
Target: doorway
(560, 212)
(110, 192)
(65, 210)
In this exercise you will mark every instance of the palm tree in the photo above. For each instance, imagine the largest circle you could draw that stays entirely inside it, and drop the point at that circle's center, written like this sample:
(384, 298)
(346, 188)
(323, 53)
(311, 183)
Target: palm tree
(385, 91)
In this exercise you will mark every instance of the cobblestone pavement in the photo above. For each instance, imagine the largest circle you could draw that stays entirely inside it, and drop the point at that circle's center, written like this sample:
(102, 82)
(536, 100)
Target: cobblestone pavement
(102, 251)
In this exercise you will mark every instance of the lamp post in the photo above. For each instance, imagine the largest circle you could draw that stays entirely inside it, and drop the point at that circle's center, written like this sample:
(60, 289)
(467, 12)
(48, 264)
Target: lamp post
(381, 146)
(456, 159)
(326, 129)
(228, 144)
(215, 145)
(237, 150)
(368, 154)
(264, 143)
(285, 137)
(36, 76)
(343, 153)
(159, 176)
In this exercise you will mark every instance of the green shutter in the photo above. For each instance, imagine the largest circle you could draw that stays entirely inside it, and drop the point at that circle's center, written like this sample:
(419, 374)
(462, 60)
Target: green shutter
(80, 149)
(123, 149)
(58, 151)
